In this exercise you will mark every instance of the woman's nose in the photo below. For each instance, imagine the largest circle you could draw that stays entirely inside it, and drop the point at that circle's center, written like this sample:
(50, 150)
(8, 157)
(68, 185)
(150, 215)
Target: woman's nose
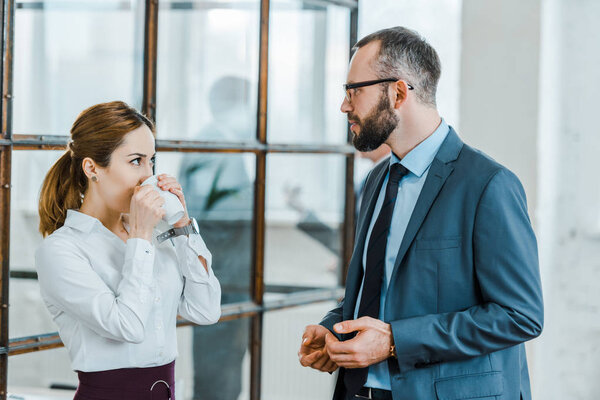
(150, 169)
(145, 176)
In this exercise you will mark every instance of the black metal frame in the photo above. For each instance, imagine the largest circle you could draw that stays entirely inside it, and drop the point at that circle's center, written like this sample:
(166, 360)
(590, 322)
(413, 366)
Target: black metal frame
(294, 296)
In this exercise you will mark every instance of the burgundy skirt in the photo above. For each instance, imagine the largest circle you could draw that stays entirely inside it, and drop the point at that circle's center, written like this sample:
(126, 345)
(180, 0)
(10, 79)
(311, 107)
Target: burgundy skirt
(154, 383)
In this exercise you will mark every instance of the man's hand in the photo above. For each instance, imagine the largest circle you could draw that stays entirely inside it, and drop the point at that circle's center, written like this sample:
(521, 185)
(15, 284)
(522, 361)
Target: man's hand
(370, 346)
(313, 350)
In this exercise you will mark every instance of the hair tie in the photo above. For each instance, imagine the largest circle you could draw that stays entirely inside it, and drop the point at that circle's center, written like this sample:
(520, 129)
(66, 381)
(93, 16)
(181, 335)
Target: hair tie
(70, 148)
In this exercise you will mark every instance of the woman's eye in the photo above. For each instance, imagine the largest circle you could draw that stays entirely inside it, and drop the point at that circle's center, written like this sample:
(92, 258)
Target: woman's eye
(152, 160)
(135, 161)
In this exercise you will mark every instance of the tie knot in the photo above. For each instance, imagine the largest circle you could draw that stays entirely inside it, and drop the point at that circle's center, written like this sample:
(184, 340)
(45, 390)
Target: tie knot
(397, 172)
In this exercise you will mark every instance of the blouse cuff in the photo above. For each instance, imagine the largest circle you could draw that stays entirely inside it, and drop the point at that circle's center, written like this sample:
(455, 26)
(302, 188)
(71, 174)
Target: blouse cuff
(193, 246)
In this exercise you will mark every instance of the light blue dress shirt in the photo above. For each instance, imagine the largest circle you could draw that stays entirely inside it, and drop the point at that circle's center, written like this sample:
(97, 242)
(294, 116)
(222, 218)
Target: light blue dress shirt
(417, 161)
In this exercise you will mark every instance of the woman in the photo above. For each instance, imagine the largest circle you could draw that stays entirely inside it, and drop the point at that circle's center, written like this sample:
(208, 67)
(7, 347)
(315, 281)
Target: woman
(114, 290)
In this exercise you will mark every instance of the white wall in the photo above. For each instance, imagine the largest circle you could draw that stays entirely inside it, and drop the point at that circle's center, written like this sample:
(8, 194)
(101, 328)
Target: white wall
(439, 22)
(499, 83)
(567, 363)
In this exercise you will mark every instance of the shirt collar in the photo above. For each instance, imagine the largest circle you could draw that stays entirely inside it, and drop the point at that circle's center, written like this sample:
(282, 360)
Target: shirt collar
(420, 158)
(80, 221)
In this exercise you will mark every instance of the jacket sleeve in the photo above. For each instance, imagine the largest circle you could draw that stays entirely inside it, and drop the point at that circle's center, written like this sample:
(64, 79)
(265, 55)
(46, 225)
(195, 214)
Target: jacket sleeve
(333, 317)
(506, 271)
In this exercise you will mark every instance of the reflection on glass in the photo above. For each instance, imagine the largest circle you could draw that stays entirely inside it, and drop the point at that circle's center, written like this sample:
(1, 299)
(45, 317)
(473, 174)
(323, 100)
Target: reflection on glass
(28, 171)
(207, 69)
(29, 167)
(308, 59)
(213, 361)
(304, 216)
(28, 314)
(219, 192)
(38, 375)
(282, 375)
(71, 55)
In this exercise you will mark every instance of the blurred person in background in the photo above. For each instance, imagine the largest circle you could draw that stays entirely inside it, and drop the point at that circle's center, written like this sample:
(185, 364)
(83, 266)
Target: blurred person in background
(220, 196)
(310, 223)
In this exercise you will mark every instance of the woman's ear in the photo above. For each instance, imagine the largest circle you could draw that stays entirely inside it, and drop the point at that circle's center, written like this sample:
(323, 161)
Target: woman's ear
(90, 168)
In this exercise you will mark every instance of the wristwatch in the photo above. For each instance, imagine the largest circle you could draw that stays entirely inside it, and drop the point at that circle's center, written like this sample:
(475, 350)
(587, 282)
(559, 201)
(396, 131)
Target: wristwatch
(393, 352)
(192, 227)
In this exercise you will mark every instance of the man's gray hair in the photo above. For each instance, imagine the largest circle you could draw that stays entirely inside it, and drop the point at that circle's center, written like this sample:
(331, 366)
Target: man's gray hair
(405, 55)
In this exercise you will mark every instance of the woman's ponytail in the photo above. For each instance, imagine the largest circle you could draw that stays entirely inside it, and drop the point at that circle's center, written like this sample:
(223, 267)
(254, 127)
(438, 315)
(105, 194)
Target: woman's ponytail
(63, 189)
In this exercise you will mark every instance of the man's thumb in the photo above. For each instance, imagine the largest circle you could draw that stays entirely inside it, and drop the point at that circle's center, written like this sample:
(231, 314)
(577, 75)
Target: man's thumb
(348, 326)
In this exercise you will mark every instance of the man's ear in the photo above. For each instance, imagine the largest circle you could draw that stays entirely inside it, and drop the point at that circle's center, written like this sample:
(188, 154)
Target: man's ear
(400, 93)
(89, 167)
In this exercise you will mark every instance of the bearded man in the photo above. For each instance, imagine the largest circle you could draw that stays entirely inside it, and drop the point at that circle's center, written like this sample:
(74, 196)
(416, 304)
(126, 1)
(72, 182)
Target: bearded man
(443, 287)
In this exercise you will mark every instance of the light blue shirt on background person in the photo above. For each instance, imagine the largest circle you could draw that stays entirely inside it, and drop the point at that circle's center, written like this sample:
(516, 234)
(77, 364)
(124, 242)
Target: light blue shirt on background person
(417, 161)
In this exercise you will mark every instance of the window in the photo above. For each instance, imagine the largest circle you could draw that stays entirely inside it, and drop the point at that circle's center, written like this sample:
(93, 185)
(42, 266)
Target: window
(245, 95)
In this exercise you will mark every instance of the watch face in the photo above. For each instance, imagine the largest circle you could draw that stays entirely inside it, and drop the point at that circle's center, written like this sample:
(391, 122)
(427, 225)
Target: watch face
(194, 225)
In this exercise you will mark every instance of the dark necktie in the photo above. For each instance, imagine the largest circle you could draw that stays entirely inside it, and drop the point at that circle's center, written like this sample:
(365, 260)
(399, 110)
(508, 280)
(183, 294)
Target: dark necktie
(371, 291)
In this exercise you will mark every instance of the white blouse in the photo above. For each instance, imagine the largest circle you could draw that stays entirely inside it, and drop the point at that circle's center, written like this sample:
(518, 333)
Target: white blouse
(116, 303)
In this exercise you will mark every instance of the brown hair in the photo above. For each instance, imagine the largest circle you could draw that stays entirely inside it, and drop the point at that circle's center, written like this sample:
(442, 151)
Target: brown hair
(96, 133)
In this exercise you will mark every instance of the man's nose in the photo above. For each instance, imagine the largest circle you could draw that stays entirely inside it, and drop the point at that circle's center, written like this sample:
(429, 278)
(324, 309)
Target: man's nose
(346, 107)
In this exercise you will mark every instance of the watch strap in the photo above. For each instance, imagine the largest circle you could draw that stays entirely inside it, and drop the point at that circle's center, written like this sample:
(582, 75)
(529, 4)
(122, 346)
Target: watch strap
(184, 230)
(166, 235)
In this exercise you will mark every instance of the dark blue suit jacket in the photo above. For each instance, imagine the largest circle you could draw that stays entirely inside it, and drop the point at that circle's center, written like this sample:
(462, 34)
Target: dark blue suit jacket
(465, 292)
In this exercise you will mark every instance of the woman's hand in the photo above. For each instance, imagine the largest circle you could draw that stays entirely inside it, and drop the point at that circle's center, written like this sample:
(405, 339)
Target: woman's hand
(169, 183)
(145, 212)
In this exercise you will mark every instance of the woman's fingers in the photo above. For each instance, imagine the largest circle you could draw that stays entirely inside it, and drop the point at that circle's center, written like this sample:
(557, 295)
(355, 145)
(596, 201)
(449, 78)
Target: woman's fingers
(168, 185)
(145, 210)
(179, 195)
(167, 180)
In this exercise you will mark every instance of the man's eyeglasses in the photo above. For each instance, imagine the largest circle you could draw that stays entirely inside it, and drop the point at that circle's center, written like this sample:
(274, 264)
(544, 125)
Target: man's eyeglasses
(349, 88)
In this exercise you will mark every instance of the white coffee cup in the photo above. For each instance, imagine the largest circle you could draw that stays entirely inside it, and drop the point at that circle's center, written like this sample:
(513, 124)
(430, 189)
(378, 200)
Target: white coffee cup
(173, 207)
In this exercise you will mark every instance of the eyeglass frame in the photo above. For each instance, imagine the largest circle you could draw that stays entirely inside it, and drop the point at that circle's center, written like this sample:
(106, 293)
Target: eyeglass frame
(356, 85)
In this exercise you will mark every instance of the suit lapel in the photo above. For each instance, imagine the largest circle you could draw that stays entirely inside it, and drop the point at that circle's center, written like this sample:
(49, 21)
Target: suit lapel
(440, 170)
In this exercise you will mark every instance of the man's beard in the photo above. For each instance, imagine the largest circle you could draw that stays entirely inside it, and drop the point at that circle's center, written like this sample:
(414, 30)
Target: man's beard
(376, 127)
